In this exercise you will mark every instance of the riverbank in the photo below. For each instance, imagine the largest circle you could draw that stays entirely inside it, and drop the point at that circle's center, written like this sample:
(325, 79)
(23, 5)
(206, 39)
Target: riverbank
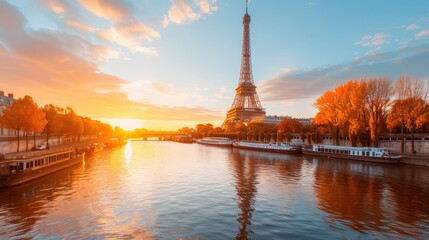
(79, 146)
(416, 159)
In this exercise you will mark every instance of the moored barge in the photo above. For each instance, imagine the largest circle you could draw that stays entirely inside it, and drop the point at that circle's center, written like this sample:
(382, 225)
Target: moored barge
(368, 154)
(268, 147)
(18, 169)
(216, 141)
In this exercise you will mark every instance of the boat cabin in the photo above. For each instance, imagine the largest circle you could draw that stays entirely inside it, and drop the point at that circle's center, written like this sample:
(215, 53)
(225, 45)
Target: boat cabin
(24, 163)
(354, 151)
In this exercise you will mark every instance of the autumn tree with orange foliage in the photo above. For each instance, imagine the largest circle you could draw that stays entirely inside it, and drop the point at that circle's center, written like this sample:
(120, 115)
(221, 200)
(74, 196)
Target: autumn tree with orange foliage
(364, 109)
(24, 115)
(54, 123)
(290, 125)
(378, 99)
(357, 109)
(329, 114)
(410, 108)
(12, 119)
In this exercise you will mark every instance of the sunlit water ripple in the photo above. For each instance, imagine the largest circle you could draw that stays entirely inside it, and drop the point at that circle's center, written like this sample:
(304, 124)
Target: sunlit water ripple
(167, 190)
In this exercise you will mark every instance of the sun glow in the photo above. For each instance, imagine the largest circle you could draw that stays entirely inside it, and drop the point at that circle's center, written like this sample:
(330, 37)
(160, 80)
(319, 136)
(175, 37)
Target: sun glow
(125, 123)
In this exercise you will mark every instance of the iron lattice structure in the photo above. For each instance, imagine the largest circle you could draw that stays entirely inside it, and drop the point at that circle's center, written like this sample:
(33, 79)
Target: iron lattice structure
(246, 103)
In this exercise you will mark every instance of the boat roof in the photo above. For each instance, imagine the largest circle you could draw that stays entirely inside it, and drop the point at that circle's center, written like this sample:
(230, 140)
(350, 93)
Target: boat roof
(35, 154)
(348, 148)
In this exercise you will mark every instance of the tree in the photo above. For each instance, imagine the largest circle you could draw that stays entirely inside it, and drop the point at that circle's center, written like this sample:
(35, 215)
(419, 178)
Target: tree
(353, 116)
(12, 118)
(25, 115)
(72, 123)
(38, 122)
(328, 114)
(204, 129)
(410, 106)
(290, 125)
(54, 121)
(378, 97)
(185, 130)
(33, 118)
(238, 126)
(357, 109)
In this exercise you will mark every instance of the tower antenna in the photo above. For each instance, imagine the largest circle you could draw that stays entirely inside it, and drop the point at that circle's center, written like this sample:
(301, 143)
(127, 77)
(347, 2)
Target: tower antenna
(247, 3)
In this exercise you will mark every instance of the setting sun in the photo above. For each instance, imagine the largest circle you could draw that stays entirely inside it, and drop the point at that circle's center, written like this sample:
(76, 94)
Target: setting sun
(125, 123)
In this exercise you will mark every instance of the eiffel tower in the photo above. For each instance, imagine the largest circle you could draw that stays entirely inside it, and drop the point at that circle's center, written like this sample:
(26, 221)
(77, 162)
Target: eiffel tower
(246, 103)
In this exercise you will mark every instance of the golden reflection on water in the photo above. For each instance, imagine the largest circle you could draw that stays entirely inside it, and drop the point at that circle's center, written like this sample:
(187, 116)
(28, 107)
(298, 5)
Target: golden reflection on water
(143, 191)
(128, 152)
(376, 198)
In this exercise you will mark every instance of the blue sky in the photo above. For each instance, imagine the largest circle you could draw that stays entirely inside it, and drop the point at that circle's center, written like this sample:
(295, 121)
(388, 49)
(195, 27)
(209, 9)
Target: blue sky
(176, 63)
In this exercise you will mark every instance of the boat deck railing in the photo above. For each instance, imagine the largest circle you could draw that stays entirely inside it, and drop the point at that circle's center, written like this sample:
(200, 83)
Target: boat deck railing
(32, 154)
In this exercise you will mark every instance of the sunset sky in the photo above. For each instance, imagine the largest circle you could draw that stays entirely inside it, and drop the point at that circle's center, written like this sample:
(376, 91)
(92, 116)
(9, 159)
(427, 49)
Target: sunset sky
(165, 64)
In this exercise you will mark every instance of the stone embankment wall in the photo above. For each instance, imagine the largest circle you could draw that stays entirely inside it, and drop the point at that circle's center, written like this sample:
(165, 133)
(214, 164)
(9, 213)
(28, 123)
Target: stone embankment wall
(9, 144)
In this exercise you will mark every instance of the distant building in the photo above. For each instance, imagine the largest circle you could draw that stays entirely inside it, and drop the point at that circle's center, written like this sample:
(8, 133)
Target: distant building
(6, 102)
(274, 120)
(305, 121)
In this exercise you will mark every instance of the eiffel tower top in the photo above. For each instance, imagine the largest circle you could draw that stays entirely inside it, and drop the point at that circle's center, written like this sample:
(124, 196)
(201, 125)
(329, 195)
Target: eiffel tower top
(246, 64)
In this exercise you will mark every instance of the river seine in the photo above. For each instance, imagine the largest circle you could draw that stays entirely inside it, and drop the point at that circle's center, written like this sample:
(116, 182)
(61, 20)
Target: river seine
(168, 190)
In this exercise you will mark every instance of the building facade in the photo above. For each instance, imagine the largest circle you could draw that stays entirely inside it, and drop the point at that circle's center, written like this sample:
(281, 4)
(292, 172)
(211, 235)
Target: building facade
(6, 102)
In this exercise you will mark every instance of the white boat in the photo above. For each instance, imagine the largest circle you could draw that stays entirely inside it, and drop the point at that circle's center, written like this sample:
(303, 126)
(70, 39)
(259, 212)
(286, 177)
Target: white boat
(216, 141)
(268, 147)
(369, 154)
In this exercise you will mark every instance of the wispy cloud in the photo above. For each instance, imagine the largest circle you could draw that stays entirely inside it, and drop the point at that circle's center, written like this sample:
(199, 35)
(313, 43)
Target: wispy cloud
(412, 27)
(181, 11)
(55, 6)
(108, 9)
(422, 33)
(130, 35)
(160, 88)
(312, 83)
(373, 41)
(207, 7)
(80, 26)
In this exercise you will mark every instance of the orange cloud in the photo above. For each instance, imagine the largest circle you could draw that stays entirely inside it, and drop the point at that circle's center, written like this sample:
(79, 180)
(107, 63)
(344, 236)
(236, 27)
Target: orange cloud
(78, 25)
(126, 30)
(107, 9)
(56, 67)
(181, 11)
(206, 7)
(55, 6)
(130, 34)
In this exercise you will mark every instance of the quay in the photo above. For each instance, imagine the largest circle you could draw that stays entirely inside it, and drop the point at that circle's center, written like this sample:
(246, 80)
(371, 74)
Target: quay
(416, 159)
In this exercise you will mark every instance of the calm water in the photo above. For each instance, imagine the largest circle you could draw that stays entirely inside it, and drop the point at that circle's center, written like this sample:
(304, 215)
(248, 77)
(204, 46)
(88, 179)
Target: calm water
(167, 190)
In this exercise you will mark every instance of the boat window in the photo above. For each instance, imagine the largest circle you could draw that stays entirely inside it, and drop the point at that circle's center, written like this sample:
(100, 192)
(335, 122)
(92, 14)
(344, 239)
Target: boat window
(21, 166)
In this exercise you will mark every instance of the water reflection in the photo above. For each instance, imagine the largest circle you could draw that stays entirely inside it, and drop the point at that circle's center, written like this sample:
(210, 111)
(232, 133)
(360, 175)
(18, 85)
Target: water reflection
(21, 207)
(166, 190)
(246, 166)
(245, 174)
(373, 199)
